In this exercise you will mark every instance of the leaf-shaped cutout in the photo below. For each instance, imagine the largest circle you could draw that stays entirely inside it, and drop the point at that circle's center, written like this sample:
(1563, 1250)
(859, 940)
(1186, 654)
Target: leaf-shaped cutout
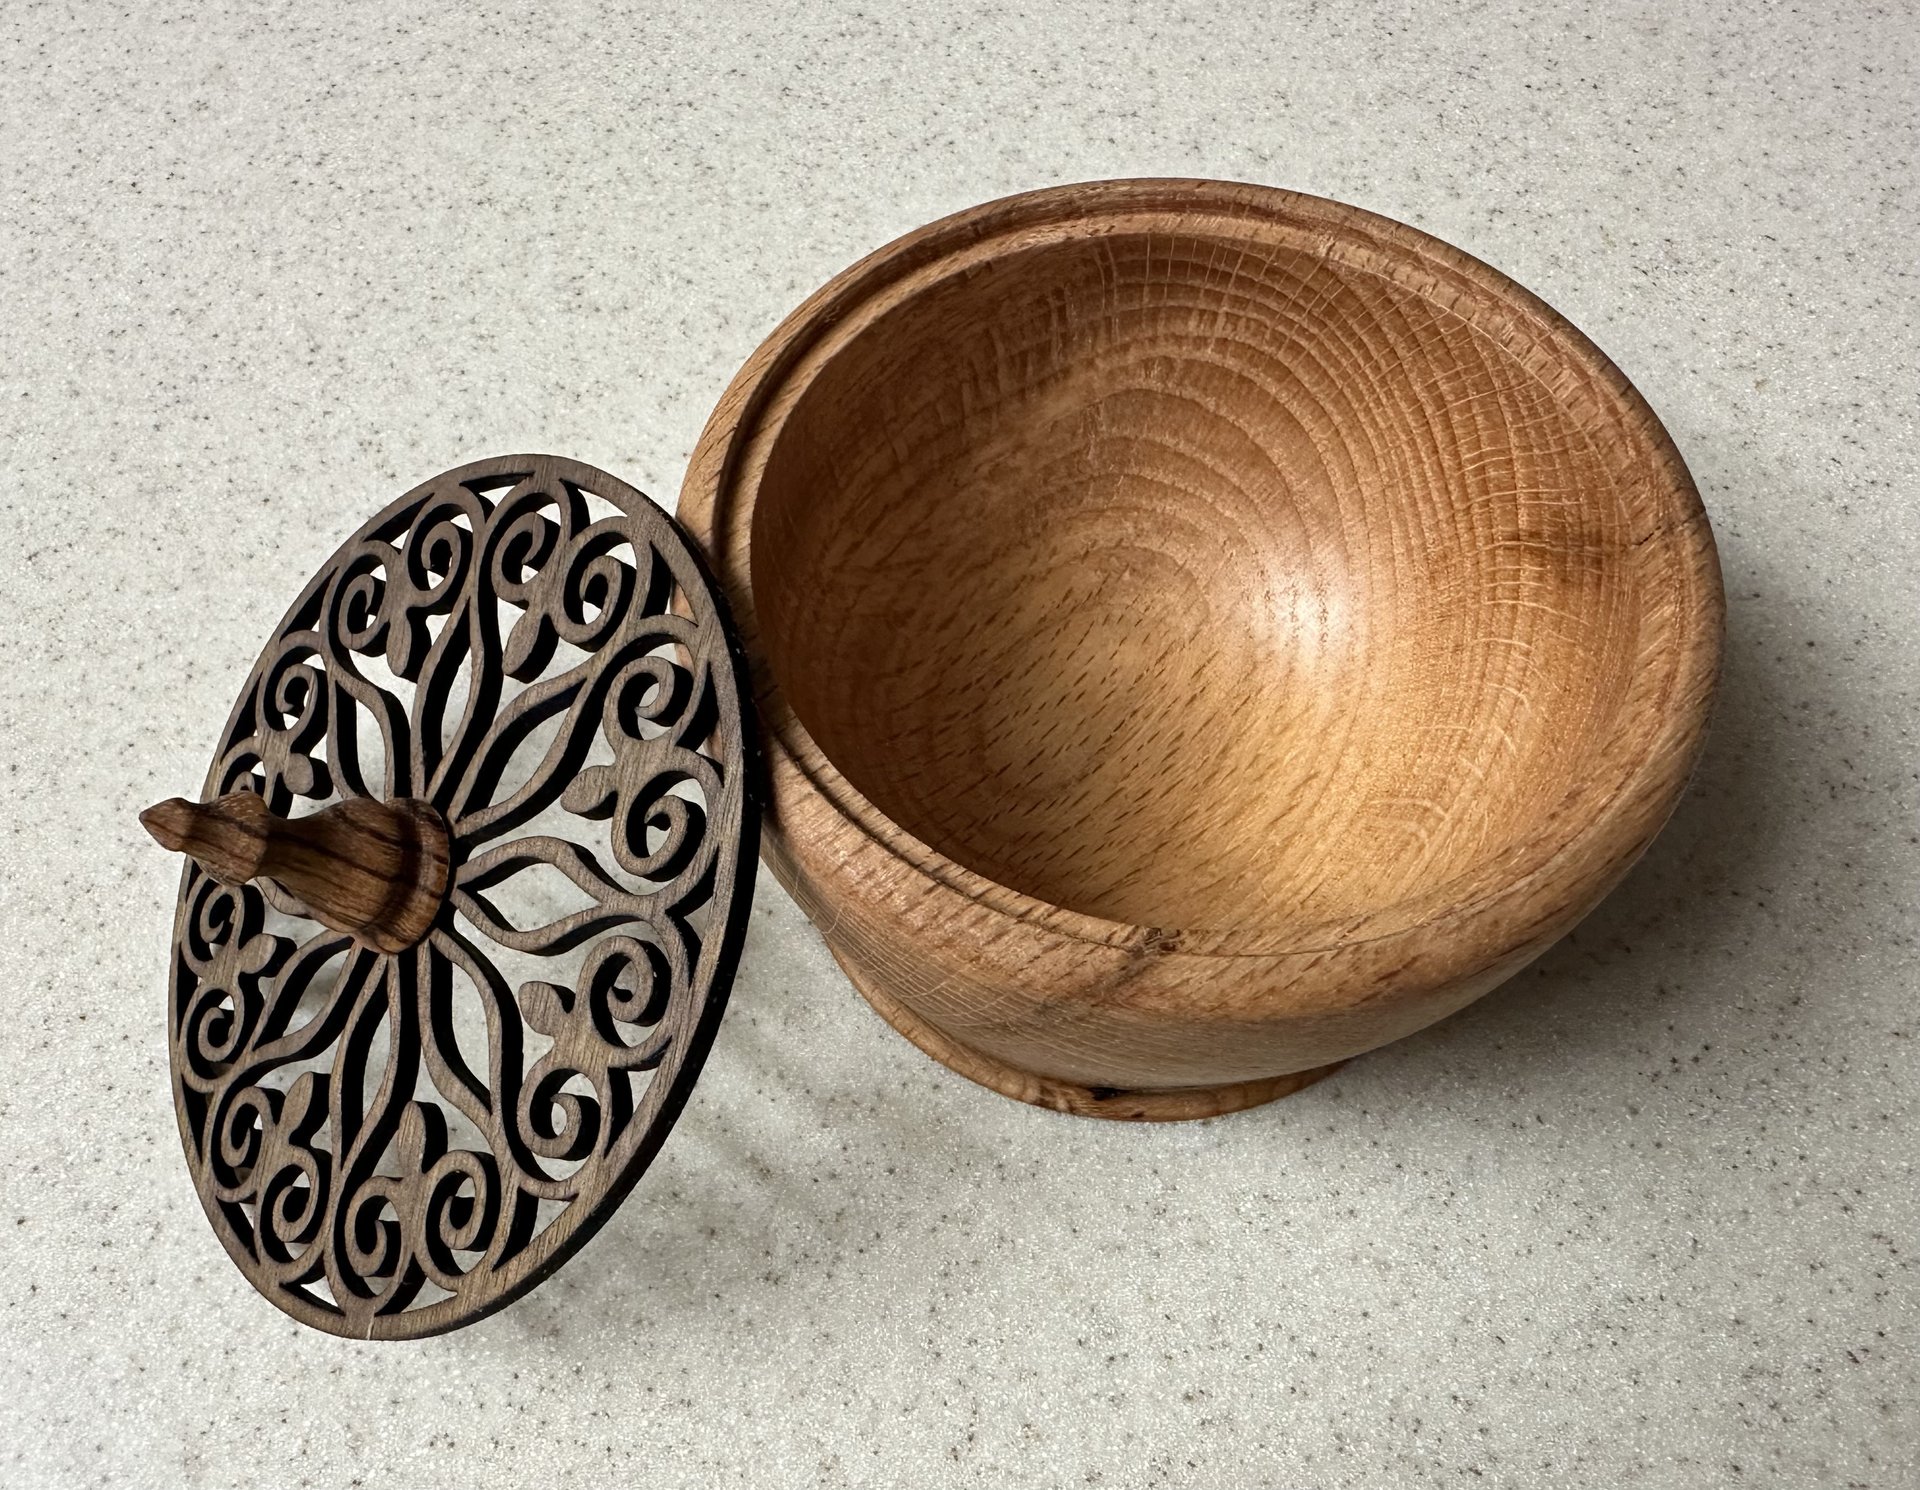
(529, 646)
(546, 1007)
(306, 777)
(610, 903)
(593, 793)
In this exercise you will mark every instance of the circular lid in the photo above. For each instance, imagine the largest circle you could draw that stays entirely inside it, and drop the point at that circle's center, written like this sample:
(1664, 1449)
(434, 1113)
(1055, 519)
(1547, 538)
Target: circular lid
(466, 896)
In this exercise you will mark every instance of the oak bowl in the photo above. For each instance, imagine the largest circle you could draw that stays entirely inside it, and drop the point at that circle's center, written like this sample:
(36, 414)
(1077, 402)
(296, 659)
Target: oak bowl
(1201, 632)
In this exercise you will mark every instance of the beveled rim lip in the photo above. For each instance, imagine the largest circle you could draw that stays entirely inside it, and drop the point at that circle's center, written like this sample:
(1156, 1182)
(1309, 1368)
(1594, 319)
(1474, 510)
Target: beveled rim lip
(1609, 838)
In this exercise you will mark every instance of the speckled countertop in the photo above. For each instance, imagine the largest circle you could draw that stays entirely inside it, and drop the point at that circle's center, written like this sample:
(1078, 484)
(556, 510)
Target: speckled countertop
(1647, 1217)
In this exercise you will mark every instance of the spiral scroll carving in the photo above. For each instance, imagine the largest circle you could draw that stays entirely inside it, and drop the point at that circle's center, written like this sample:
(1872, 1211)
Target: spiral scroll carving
(395, 1145)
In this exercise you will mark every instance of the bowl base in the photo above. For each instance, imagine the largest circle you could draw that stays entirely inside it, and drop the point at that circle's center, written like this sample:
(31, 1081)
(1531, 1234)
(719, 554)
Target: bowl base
(1171, 1105)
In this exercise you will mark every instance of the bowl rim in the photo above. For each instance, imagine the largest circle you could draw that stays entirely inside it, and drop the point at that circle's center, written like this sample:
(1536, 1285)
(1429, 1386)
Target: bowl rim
(1585, 842)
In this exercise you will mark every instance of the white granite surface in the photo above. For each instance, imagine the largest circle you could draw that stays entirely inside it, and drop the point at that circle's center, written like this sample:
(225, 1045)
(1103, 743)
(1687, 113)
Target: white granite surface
(1647, 1217)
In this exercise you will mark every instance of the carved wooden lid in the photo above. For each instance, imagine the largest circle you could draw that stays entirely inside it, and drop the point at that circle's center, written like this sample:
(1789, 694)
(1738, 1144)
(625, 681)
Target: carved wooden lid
(426, 1038)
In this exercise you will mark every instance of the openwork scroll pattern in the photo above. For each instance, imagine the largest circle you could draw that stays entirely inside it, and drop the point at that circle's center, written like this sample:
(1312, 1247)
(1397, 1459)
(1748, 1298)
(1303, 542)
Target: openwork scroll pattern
(394, 1145)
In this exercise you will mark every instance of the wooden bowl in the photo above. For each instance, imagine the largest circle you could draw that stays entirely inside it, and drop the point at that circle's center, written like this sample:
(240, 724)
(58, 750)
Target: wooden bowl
(1201, 633)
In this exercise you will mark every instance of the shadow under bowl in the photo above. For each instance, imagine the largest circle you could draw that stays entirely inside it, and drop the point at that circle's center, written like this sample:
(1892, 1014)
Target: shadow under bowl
(1201, 633)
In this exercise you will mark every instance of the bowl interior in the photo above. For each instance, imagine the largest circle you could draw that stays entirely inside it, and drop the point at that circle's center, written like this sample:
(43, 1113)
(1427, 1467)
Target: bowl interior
(1195, 582)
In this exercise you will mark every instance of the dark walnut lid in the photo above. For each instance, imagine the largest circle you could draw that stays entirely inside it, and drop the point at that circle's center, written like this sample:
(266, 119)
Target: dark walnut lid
(469, 882)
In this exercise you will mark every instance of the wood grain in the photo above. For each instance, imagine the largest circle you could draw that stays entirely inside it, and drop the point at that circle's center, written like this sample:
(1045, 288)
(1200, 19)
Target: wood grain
(375, 870)
(398, 1128)
(1203, 632)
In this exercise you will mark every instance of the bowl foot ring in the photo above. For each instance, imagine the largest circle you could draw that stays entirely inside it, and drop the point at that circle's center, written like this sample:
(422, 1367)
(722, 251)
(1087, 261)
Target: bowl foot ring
(1171, 1105)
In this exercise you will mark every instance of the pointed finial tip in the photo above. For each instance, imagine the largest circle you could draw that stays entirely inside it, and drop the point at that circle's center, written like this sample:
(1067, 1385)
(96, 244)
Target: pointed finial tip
(170, 822)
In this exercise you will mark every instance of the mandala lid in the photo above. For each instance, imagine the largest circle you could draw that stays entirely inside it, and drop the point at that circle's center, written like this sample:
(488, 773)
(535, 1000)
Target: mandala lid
(464, 900)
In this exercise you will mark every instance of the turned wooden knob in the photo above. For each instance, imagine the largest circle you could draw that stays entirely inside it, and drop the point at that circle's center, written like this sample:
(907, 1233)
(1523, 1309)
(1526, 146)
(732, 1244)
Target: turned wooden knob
(375, 870)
